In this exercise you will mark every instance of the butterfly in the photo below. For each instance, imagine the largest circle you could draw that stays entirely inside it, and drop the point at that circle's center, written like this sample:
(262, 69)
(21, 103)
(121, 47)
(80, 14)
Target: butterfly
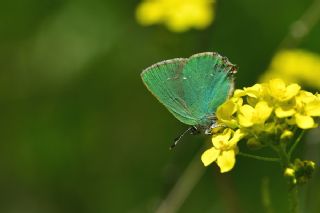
(192, 88)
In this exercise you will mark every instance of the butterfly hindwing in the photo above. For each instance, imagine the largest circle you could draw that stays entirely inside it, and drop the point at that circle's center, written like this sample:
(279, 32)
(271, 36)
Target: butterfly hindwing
(208, 83)
(164, 80)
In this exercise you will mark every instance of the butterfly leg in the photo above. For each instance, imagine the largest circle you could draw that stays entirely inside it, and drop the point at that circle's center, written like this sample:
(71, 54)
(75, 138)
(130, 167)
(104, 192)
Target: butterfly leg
(194, 130)
(214, 125)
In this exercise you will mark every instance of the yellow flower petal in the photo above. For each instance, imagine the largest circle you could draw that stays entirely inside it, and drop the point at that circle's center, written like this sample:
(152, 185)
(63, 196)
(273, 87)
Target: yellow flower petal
(239, 93)
(225, 111)
(292, 90)
(237, 136)
(306, 97)
(209, 156)
(219, 140)
(249, 116)
(276, 85)
(253, 91)
(263, 112)
(304, 122)
(245, 115)
(282, 112)
(238, 101)
(313, 108)
(226, 160)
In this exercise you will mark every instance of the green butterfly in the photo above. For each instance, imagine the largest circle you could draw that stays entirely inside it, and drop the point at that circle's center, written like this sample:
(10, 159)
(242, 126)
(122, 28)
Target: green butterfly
(192, 88)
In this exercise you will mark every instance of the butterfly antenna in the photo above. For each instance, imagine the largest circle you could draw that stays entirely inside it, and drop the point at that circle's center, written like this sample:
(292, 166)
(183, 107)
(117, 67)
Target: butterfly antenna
(177, 139)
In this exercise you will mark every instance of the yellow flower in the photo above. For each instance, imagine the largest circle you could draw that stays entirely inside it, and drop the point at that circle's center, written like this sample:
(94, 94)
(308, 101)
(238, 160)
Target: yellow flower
(177, 15)
(254, 105)
(281, 92)
(266, 115)
(253, 94)
(285, 109)
(255, 91)
(224, 150)
(295, 66)
(150, 12)
(249, 116)
(308, 106)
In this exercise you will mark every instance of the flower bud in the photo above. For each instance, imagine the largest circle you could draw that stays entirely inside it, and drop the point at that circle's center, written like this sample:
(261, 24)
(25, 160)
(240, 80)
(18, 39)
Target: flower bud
(254, 144)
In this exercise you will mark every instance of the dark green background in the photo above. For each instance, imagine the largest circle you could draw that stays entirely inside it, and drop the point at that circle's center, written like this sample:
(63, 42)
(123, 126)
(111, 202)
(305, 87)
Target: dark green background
(80, 133)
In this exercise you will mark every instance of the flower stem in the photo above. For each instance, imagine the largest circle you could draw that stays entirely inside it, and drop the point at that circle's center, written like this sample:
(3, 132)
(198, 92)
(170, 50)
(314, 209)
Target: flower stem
(265, 195)
(284, 157)
(259, 157)
(295, 144)
(293, 199)
(292, 188)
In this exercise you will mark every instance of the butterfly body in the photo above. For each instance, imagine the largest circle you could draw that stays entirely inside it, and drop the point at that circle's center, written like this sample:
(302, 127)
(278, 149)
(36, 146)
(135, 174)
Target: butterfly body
(192, 88)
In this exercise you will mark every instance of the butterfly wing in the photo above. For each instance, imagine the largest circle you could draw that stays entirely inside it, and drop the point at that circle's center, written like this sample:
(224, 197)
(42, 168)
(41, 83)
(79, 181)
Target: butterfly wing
(164, 80)
(208, 82)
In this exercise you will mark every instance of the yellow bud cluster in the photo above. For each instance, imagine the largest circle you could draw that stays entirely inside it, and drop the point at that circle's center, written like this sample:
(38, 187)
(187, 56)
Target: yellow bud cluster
(300, 171)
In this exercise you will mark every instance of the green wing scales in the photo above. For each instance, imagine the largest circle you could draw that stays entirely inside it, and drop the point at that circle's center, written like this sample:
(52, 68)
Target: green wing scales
(164, 81)
(208, 83)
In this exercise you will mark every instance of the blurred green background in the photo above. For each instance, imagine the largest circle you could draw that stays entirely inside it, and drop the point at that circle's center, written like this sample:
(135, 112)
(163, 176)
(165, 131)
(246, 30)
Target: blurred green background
(79, 131)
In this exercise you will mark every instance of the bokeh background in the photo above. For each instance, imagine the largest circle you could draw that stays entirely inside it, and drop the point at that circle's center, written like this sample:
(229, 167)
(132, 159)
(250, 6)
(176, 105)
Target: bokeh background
(80, 133)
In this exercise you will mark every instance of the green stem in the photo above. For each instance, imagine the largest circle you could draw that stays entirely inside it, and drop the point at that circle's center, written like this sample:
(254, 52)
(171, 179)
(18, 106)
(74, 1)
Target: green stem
(295, 144)
(284, 157)
(265, 195)
(293, 199)
(259, 157)
(292, 188)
